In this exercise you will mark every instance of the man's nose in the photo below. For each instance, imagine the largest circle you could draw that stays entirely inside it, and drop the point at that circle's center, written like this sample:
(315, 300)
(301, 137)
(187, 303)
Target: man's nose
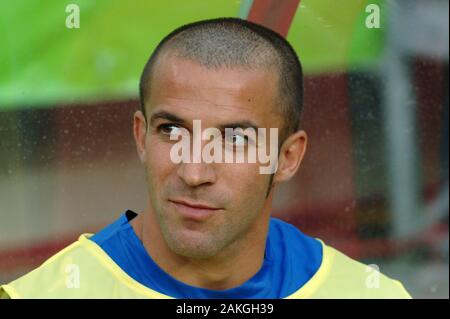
(196, 174)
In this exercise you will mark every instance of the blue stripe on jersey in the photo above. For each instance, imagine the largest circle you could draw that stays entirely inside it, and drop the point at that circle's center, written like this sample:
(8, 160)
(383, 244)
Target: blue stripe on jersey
(291, 259)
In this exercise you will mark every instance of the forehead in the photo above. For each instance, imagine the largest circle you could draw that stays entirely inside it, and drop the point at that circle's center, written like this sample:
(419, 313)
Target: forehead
(192, 91)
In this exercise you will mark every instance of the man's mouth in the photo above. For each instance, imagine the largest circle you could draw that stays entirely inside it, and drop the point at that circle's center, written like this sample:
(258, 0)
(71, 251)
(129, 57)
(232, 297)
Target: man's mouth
(194, 210)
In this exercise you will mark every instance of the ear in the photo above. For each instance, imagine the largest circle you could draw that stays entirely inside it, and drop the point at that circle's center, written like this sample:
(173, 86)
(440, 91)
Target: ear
(140, 132)
(291, 155)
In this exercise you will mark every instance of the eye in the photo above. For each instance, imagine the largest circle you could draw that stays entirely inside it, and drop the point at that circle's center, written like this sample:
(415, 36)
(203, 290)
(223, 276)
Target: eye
(236, 139)
(169, 129)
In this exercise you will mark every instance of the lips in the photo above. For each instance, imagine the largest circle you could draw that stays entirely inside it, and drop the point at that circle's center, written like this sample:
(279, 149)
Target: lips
(194, 210)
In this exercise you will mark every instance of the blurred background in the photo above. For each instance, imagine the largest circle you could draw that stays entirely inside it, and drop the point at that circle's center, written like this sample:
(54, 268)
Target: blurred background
(374, 181)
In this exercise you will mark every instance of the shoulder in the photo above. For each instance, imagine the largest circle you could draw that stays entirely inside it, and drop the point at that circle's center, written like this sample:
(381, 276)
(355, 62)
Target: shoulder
(368, 279)
(81, 270)
(59, 270)
(340, 276)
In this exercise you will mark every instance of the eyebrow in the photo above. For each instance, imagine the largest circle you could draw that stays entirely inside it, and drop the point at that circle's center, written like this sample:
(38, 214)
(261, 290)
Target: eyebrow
(242, 124)
(164, 115)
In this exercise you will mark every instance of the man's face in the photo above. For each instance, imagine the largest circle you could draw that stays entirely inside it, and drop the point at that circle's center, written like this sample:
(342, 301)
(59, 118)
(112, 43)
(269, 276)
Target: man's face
(235, 193)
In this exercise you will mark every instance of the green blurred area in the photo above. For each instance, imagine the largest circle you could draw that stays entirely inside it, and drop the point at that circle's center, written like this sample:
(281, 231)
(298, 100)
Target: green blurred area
(42, 62)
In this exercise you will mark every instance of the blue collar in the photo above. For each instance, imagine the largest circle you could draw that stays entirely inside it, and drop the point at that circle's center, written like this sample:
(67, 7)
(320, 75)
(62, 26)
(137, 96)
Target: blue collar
(291, 259)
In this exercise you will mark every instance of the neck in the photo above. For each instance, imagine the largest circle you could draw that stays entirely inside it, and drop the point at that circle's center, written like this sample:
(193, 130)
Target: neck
(230, 268)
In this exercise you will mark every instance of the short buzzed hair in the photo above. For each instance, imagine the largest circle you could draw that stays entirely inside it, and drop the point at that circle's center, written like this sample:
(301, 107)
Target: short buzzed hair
(230, 43)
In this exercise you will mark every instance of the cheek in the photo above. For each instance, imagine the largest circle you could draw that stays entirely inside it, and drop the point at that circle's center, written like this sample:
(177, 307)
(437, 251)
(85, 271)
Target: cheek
(158, 165)
(246, 184)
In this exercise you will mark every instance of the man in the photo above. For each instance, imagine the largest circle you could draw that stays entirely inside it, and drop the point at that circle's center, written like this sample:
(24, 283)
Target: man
(207, 230)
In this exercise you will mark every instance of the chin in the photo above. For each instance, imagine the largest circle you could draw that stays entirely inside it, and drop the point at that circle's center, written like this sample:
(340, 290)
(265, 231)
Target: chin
(191, 245)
